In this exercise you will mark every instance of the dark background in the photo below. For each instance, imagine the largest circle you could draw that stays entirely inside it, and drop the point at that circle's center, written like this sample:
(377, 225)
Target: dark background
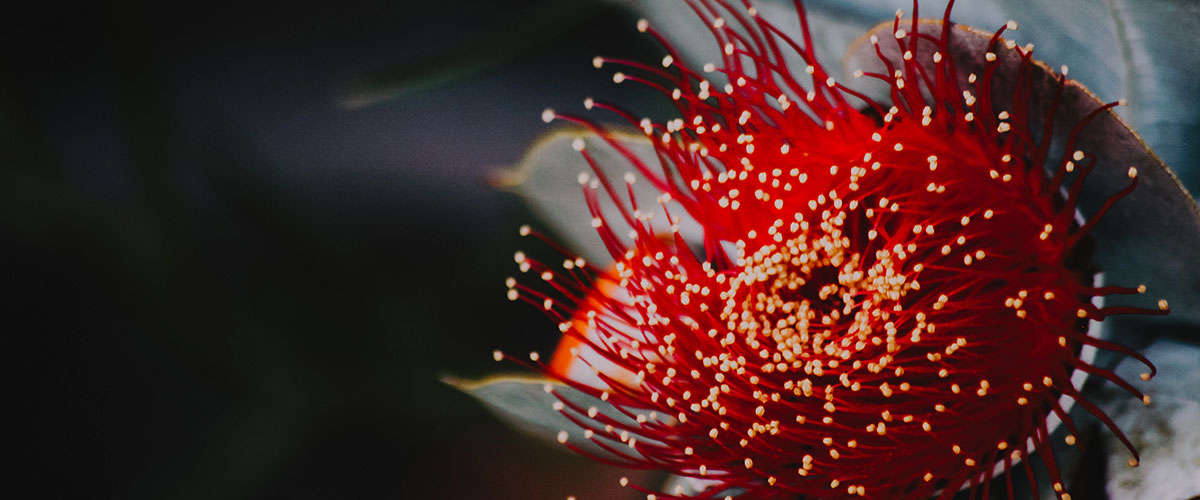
(242, 243)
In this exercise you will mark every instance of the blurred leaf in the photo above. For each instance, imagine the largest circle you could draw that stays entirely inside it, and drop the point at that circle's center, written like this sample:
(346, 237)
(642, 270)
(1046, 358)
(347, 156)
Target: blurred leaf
(1166, 433)
(462, 58)
(1162, 66)
(687, 485)
(1128, 49)
(527, 403)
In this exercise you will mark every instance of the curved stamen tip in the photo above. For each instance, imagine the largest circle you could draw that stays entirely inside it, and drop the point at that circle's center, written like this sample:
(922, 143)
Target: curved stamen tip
(579, 145)
(497, 355)
(548, 115)
(1132, 172)
(643, 25)
(598, 62)
(1011, 25)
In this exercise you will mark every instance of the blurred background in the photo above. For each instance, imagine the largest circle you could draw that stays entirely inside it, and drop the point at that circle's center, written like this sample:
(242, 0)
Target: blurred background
(242, 243)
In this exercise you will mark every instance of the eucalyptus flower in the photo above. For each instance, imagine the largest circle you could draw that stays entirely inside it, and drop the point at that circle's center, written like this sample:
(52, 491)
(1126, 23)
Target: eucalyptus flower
(887, 284)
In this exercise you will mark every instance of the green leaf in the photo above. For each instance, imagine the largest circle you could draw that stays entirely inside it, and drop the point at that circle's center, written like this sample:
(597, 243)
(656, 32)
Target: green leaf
(528, 404)
(547, 178)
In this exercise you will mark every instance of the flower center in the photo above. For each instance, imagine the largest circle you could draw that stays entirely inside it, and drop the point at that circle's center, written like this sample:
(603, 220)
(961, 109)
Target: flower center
(813, 297)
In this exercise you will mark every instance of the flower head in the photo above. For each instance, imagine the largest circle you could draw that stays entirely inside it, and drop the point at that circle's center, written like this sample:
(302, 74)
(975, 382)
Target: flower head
(883, 300)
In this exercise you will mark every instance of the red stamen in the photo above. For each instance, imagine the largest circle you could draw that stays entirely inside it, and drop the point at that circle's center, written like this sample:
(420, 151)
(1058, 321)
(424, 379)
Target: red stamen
(863, 291)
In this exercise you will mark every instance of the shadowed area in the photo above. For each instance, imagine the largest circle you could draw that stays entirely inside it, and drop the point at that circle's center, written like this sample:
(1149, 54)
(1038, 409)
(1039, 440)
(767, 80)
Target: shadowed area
(227, 283)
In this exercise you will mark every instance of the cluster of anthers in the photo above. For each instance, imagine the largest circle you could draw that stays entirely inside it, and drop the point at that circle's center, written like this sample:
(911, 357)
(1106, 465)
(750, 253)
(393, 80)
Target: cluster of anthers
(885, 303)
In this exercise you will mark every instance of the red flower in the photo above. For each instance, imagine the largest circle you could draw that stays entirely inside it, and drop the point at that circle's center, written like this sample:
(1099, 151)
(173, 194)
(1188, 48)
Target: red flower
(886, 300)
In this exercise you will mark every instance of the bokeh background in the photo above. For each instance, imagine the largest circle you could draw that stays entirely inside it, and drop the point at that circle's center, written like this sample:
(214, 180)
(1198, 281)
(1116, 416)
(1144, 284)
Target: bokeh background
(242, 243)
